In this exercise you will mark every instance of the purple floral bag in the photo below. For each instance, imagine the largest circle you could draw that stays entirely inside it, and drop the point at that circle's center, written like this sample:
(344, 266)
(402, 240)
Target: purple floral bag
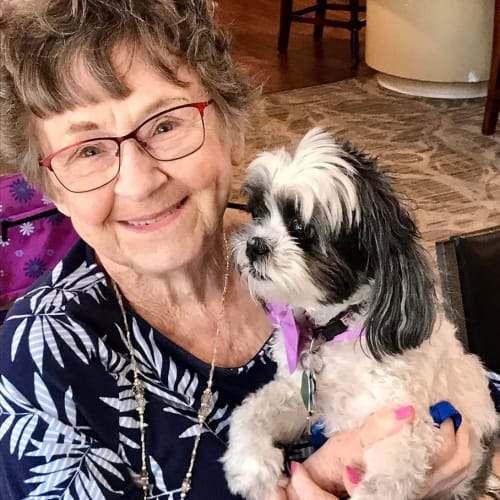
(34, 236)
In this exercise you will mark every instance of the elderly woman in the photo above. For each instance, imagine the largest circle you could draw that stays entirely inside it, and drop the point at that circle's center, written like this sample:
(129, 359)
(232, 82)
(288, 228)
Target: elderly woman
(120, 368)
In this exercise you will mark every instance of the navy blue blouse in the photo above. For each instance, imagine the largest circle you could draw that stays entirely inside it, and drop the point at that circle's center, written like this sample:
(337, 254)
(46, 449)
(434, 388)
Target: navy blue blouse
(68, 424)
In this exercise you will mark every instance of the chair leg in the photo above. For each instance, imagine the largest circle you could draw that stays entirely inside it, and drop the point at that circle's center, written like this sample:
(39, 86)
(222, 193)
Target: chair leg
(354, 8)
(320, 14)
(493, 100)
(285, 22)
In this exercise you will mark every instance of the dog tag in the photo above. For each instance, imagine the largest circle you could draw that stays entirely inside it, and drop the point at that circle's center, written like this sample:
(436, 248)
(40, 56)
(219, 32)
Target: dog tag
(307, 391)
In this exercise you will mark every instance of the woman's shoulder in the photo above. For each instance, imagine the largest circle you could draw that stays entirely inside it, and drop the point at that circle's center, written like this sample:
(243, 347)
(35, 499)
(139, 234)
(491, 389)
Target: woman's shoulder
(55, 307)
(74, 276)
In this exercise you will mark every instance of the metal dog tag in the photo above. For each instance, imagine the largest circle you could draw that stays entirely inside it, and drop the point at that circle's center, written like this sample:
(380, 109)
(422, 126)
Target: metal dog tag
(307, 391)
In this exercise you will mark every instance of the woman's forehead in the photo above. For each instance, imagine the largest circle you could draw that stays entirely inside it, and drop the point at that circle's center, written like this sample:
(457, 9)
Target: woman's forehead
(148, 92)
(77, 82)
(139, 77)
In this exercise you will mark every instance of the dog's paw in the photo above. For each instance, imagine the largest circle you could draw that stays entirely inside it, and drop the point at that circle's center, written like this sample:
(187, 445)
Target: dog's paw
(382, 488)
(254, 476)
(367, 491)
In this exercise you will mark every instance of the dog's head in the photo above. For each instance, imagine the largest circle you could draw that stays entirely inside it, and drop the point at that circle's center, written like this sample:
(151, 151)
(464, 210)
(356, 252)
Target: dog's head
(325, 223)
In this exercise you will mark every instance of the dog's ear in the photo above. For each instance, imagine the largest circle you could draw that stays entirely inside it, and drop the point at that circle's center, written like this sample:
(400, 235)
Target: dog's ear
(402, 307)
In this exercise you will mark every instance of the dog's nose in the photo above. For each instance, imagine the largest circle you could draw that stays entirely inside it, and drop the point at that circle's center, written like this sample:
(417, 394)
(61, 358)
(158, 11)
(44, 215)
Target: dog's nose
(256, 247)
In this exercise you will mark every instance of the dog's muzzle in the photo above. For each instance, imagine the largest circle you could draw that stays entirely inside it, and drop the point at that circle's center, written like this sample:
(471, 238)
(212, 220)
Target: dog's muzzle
(256, 248)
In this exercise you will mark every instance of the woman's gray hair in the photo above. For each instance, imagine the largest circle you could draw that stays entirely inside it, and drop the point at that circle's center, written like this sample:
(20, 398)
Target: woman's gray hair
(45, 43)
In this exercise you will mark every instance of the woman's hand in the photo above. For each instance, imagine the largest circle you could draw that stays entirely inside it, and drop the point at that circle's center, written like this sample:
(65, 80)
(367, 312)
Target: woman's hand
(451, 463)
(332, 469)
(338, 465)
(301, 486)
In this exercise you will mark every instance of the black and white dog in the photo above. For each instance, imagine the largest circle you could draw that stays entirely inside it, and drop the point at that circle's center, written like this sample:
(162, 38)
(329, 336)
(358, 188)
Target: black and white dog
(330, 239)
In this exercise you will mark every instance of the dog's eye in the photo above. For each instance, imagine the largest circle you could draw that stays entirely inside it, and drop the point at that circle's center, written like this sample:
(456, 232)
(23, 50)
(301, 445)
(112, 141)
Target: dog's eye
(297, 228)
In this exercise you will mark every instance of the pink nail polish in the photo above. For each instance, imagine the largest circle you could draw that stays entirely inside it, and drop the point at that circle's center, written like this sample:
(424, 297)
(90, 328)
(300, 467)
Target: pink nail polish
(353, 475)
(293, 467)
(404, 412)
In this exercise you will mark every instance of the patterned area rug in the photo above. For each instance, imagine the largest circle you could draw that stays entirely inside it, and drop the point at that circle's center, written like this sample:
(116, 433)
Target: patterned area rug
(442, 166)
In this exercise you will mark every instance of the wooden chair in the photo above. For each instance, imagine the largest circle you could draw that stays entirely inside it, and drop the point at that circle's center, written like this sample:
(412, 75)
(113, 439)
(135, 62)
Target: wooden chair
(469, 267)
(354, 24)
(493, 100)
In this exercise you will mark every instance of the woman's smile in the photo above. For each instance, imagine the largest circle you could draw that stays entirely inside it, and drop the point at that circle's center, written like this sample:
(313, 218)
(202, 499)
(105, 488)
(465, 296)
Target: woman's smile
(156, 221)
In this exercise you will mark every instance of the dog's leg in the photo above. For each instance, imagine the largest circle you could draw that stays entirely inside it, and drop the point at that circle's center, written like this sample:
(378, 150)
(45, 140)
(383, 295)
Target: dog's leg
(253, 463)
(396, 467)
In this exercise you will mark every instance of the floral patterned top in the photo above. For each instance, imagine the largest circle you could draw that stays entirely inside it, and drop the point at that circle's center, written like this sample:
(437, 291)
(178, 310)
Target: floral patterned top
(68, 424)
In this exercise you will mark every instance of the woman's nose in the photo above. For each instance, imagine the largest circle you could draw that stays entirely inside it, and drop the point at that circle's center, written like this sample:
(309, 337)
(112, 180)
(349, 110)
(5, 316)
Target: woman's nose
(140, 174)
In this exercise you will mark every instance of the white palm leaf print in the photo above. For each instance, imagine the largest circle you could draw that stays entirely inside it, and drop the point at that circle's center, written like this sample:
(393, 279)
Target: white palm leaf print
(177, 388)
(75, 466)
(62, 291)
(48, 321)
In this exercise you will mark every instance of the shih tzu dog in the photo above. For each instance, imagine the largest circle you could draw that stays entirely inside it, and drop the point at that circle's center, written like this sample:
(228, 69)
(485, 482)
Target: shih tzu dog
(330, 245)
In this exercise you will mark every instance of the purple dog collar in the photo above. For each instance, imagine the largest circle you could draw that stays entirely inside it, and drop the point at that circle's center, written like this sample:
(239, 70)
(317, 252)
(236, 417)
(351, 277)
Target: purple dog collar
(296, 334)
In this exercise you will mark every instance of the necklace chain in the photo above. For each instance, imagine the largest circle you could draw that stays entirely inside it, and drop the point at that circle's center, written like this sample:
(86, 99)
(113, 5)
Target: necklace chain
(140, 399)
(139, 395)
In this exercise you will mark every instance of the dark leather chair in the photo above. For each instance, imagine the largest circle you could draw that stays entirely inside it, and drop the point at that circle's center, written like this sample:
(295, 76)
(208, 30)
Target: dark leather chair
(469, 267)
(320, 8)
(493, 100)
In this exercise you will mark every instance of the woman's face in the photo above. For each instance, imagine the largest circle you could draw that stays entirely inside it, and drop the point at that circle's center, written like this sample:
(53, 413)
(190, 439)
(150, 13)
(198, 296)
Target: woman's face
(156, 216)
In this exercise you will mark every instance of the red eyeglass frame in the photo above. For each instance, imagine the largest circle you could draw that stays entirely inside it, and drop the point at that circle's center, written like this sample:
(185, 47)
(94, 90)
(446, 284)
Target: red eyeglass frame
(201, 106)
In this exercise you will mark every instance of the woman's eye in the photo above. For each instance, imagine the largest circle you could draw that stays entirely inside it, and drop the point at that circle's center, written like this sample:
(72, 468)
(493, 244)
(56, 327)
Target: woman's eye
(88, 152)
(164, 127)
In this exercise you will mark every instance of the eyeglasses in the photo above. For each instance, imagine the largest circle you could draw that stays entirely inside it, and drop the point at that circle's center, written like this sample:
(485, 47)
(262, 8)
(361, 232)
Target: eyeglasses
(167, 136)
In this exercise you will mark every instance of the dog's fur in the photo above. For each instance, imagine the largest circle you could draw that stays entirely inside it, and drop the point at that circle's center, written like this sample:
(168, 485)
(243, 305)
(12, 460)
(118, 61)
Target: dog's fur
(333, 234)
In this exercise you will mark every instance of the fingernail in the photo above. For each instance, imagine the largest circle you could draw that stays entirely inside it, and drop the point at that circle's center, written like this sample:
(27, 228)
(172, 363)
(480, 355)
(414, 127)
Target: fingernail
(404, 412)
(293, 467)
(353, 475)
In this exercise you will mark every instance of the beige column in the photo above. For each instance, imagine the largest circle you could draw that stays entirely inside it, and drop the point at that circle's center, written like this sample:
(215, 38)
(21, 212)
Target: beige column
(437, 48)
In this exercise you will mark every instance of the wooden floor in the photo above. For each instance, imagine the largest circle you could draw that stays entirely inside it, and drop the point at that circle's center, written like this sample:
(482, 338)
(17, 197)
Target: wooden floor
(254, 26)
